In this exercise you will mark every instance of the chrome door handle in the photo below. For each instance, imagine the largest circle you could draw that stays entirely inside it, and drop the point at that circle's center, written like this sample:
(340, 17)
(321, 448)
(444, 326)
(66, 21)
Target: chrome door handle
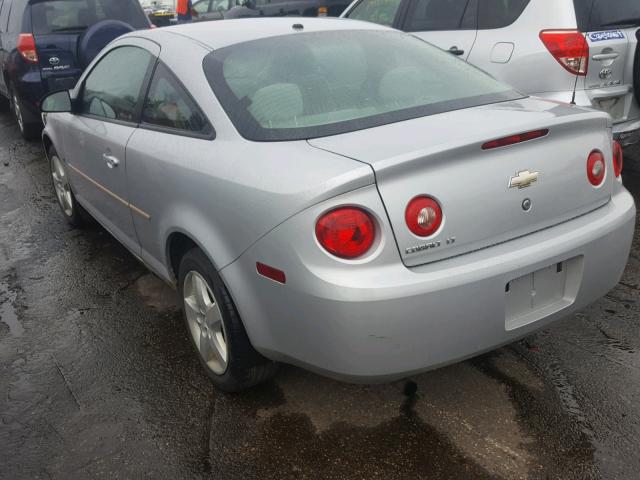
(111, 161)
(605, 56)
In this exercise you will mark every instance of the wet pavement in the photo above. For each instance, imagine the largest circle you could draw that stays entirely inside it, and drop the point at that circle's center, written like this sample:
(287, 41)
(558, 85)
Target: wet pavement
(97, 379)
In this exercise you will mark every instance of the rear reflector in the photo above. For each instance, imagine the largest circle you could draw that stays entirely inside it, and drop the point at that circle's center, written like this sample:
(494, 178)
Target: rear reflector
(618, 159)
(27, 47)
(513, 139)
(271, 273)
(596, 168)
(569, 48)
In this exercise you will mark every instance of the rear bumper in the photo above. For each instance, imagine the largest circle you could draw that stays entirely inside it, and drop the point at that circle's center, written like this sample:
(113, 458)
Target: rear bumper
(366, 326)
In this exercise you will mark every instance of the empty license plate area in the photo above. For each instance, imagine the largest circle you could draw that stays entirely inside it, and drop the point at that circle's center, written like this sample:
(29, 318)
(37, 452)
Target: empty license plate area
(542, 293)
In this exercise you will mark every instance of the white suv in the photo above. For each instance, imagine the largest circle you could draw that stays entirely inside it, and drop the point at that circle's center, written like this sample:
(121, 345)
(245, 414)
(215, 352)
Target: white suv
(574, 51)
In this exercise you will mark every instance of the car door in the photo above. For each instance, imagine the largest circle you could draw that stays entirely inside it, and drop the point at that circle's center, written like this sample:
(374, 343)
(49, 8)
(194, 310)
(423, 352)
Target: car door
(448, 24)
(611, 36)
(108, 104)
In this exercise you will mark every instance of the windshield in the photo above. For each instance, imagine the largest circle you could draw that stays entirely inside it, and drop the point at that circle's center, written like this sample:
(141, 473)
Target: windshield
(52, 16)
(311, 85)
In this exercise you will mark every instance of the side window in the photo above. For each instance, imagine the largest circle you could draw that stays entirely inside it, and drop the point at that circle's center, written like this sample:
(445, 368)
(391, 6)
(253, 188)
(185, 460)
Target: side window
(14, 25)
(430, 15)
(202, 6)
(168, 105)
(608, 15)
(499, 13)
(114, 87)
(4, 15)
(382, 12)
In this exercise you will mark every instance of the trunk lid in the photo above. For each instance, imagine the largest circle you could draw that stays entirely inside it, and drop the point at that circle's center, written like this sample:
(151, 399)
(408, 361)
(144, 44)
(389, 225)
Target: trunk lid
(442, 156)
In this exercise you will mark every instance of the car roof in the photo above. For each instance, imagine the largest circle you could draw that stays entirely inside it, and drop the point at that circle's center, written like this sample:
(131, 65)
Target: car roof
(223, 33)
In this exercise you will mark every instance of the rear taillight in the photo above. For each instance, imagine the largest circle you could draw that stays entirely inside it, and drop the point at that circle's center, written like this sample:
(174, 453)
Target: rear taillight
(346, 232)
(323, 11)
(423, 216)
(27, 47)
(569, 48)
(596, 168)
(618, 159)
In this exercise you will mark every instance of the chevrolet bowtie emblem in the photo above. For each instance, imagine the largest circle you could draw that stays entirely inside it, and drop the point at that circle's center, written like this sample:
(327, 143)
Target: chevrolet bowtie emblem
(524, 179)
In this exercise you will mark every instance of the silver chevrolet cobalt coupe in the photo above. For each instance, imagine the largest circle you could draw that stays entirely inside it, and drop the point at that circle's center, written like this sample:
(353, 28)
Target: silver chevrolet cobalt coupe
(339, 195)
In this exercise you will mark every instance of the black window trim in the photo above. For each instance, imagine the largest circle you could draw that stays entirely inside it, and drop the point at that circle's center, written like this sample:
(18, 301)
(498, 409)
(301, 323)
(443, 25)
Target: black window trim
(398, 20)
(524, 8)
(211, 135)
(137, 113)
(413, 4)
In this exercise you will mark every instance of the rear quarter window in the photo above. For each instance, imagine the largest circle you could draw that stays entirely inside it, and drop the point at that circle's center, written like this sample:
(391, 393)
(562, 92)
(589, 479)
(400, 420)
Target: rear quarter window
(597, 15)
(494, 14)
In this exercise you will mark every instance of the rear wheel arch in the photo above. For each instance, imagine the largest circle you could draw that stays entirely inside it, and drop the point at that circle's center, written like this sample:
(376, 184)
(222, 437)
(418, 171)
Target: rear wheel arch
(177, 245)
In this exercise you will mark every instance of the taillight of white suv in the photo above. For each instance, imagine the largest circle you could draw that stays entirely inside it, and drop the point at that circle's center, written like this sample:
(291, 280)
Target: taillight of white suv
(569, 48)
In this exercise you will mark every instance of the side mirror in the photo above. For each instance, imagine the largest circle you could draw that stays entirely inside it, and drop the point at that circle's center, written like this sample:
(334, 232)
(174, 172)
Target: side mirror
(57, 102)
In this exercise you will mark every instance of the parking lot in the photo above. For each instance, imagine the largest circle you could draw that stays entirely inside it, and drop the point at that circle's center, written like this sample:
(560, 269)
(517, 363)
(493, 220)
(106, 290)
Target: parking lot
(98, 378)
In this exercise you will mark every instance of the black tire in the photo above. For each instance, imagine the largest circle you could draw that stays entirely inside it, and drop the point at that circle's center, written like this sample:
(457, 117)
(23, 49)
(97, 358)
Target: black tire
(75, 215)
(245, 366)
(4, 103)
(28, 130)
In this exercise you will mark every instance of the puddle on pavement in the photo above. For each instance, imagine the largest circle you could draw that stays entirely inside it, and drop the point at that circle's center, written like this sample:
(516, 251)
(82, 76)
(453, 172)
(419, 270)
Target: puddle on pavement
(312, 427)
(492, 417)
(316, 428)
(551, 416)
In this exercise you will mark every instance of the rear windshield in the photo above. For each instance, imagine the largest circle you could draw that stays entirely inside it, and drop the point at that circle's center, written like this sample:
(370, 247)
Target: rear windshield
(599, 15)
(317, 84)
(57, 16)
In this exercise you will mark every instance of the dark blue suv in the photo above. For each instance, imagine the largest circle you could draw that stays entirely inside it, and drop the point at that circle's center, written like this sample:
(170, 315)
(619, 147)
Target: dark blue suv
(46, 44)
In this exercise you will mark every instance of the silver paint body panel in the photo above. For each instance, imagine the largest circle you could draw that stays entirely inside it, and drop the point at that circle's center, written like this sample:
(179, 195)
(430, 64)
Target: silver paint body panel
(388, 314)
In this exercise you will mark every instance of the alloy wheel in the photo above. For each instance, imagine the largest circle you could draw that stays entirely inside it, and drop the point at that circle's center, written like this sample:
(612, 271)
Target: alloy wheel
(61, 186)
(205, 322)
